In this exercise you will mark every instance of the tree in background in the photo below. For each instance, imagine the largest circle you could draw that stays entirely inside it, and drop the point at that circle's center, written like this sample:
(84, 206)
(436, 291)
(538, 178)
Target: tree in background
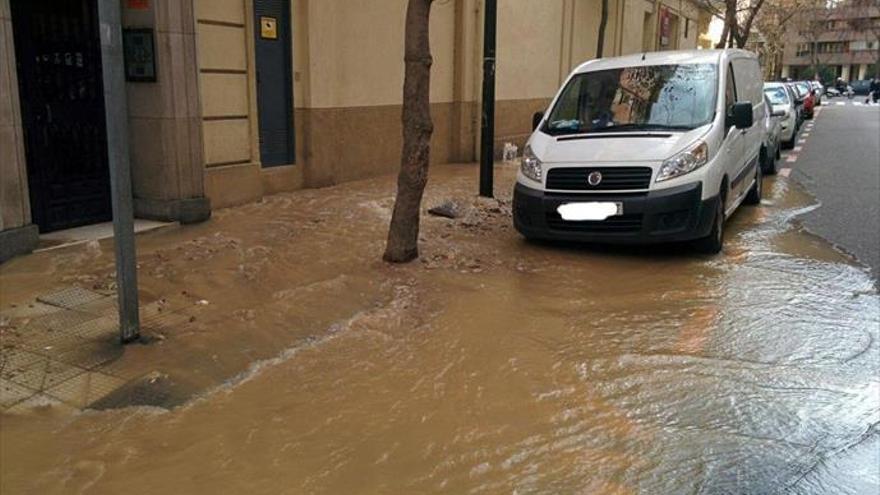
(403, 233)
(603, 23)
(813, 23)
(743, 22)
(738, 16)
(772, 22)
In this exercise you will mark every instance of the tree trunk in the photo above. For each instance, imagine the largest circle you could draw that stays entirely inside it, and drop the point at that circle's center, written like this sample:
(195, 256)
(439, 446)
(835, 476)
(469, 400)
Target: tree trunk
(603, 22)
(729, 23)
(732, 35)
(403, 233)
(724, 33)
(746, 31)
(741, 36)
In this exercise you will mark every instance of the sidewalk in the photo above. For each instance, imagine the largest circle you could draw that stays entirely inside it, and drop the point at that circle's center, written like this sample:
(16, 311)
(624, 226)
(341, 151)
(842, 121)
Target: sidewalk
(220, 297)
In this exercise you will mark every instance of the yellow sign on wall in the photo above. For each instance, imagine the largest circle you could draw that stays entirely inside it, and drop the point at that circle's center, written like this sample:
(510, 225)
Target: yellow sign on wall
(268, 28)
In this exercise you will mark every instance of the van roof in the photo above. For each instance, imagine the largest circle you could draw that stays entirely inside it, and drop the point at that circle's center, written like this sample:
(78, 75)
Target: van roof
(663, 58)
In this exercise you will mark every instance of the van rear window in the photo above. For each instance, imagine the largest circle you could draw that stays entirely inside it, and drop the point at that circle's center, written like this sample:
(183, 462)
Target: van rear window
(657, 97)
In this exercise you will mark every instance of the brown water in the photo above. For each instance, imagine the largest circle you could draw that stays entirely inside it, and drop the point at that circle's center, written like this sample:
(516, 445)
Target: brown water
(492, 366)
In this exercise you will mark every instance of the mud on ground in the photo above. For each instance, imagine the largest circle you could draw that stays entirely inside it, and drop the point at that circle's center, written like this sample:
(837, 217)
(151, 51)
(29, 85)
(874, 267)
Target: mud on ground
(305, 364)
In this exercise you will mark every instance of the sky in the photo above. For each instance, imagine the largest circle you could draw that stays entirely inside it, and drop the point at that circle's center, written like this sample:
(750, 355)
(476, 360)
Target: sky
(715, 29)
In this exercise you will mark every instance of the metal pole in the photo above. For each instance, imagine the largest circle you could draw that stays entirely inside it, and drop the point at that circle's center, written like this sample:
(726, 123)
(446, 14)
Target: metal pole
(487, 130)
(116, 112)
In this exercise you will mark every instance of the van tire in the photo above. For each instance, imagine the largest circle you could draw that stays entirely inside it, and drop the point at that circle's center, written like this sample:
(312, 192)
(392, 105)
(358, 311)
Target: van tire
(714, 242)
(768, 164)
(754, 195)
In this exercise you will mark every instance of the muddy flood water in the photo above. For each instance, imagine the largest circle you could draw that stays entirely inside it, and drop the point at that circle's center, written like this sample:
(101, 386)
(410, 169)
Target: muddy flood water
(493, 365)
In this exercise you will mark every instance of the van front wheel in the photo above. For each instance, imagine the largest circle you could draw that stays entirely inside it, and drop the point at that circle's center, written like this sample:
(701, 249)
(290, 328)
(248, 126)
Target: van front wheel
(714, 242)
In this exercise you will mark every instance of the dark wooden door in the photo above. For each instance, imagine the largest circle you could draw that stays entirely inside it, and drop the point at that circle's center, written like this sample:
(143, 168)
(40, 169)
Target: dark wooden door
(272, 46)
(58, 54)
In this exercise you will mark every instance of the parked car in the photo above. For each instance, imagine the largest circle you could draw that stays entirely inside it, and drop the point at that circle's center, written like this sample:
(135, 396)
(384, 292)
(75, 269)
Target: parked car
(770, 148)
(798, 102)
(861, 87)
(818, 92)
(806, 91)
(783, 108)
(647, 148)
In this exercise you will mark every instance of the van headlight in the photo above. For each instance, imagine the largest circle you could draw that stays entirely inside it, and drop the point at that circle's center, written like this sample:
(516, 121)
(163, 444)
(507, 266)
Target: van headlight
(530, 165)
(685, 162)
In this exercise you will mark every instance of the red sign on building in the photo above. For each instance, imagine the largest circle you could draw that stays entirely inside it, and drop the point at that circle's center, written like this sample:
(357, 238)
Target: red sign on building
(138, 4)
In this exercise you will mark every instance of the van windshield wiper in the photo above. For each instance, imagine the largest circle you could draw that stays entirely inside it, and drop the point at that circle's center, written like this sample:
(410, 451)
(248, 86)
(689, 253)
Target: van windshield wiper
(642, 127)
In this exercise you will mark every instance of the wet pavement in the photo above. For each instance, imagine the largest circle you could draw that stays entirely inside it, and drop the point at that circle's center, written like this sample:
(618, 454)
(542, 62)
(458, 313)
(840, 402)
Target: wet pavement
(493, 365)
(839, 164)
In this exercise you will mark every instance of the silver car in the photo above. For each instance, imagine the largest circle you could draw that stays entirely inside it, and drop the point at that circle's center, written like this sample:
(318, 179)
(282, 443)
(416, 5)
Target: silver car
(818, 92)
(784, 110)
(770, 148)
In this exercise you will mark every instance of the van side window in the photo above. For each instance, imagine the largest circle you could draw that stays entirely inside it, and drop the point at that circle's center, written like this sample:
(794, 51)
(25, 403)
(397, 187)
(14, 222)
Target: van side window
(729, 92)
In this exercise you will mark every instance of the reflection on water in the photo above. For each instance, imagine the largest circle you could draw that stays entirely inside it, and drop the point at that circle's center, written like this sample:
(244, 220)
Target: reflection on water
(500, 366)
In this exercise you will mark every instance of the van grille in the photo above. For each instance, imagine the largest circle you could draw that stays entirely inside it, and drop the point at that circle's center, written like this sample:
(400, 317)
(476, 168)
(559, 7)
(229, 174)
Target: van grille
(613, 178)
(624, 224)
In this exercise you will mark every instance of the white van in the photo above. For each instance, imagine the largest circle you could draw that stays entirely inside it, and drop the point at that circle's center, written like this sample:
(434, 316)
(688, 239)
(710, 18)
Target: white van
(654, 147)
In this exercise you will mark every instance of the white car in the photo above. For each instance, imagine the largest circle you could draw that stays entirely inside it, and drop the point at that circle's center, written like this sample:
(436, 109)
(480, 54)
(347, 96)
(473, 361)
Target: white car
(655, 147)
(784, 109)
(818, 92)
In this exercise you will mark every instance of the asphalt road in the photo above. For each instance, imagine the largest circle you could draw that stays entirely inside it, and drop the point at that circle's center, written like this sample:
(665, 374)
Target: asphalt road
(839, 164)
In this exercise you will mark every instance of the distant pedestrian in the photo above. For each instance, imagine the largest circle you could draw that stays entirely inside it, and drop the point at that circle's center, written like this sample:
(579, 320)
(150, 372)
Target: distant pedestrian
(874, 93)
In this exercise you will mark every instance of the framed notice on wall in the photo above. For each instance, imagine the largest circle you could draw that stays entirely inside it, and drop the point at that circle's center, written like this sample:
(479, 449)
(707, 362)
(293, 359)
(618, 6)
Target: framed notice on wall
(140, 55)
(665, 26)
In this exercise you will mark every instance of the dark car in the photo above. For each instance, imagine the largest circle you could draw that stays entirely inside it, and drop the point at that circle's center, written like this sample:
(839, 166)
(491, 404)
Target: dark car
(797, 97)
(861, 87)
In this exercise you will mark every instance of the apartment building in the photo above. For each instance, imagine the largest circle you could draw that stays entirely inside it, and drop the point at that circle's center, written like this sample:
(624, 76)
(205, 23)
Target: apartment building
(842, 37)
(231, 100)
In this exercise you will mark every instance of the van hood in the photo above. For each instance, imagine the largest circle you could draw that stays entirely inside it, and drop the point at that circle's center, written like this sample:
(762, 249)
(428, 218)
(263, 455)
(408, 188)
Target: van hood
(641, 146)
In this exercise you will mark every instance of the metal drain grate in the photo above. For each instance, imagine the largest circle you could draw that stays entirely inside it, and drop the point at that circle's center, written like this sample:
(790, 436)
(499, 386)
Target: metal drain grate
(70, 297)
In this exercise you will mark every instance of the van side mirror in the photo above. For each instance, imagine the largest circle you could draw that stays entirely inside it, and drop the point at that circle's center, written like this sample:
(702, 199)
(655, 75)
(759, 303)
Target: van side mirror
(742, 116)
(536, 119)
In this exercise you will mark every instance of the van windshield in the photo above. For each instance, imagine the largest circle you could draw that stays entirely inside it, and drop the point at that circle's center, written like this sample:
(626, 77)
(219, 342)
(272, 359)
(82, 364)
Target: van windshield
(656, 97)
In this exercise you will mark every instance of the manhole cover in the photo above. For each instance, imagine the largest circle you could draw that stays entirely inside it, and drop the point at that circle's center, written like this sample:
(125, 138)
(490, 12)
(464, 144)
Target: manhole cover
(70, 297)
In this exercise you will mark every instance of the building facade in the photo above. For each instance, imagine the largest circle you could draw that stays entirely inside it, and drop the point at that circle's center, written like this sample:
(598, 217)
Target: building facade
(230, 100)
(841, 40)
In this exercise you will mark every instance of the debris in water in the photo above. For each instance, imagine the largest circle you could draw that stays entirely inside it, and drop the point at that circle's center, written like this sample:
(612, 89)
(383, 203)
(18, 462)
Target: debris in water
(448, 209)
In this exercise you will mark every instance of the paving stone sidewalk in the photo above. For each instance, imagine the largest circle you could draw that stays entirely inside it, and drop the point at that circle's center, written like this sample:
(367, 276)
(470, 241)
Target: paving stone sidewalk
(61, 350)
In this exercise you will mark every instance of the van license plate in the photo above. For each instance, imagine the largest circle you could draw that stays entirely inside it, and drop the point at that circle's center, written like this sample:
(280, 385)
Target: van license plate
(592, 211)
